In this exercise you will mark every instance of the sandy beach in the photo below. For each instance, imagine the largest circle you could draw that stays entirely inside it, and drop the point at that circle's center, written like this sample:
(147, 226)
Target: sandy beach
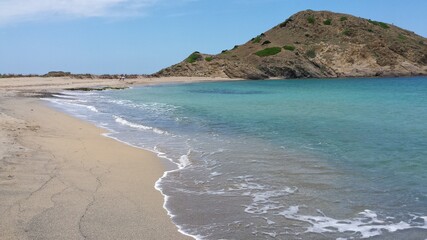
(61, 179)
(211, 120)
(42, 84)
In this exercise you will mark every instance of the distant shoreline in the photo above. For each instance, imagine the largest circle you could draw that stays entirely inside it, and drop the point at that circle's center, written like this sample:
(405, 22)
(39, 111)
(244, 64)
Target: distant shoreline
(31, 85)
(109, 80)
(40, 86)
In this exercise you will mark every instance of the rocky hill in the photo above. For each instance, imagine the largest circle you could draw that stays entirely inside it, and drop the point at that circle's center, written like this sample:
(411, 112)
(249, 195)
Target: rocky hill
(315, 44)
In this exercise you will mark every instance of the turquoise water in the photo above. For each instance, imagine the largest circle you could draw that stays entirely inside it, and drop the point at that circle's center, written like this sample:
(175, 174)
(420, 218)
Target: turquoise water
(293, 159)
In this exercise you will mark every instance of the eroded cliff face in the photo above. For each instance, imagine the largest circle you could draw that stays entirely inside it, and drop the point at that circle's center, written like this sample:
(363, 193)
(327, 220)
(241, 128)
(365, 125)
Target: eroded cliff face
(313, 44)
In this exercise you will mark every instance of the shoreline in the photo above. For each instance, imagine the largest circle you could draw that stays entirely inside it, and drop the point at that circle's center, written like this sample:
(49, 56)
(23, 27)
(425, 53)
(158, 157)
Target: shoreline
(55, 84)
(110, 175)
(168, 167)
(33, 86)
(16, 110)
(100, 187)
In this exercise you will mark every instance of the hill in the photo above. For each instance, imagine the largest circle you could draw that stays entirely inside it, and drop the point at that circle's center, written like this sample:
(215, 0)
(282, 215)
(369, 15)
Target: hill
(315, 44)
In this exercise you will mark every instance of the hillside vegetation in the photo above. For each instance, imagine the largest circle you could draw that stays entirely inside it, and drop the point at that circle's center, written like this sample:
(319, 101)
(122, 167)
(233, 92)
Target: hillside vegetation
(315, 44)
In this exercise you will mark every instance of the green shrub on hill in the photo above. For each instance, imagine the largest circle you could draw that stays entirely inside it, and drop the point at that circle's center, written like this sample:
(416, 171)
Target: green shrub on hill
(311, 53)
(266, 42)
(342, 19)
(194, 57)
(402, 37)
(311, 19)
(381, 24)
(208, 59)
(289, 47)
(327, 21)
(257, 39)
(347, 32)
(269, 52)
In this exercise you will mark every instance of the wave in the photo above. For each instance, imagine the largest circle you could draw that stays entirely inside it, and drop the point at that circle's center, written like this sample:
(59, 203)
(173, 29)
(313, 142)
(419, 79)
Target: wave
(63, 96)
(139, 126)
(184, 161)
(263, 201)
(367, 225)
(71, 102)
(92, 108)
(160, 108)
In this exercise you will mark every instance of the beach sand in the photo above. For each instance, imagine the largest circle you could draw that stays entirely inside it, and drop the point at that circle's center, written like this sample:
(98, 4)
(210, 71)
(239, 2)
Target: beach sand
(61, 179)
(31, 84)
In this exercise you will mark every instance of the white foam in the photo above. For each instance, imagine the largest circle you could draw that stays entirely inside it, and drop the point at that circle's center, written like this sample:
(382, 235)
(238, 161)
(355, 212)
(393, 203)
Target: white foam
(63, 96)
(366, 225)
(158, 131)
(139, 126)
(92, 108)
(273, 234)
(122, 102)
(71, 103)
(265, 196)
(158, 187)
(215, 174)
(184, 161)
(129, 124)
(160, 108)
(263, 201)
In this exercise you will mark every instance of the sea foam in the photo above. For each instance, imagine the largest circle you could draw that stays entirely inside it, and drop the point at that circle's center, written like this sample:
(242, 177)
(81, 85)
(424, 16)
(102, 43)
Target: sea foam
(138, 126)
(367, 224)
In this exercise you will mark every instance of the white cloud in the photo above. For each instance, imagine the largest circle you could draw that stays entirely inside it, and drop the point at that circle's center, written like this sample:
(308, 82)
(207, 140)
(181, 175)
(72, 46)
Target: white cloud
(26, 10)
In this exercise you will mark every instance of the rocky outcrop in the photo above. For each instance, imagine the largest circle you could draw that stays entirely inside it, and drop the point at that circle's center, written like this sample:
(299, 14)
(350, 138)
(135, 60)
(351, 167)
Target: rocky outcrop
(315, 44)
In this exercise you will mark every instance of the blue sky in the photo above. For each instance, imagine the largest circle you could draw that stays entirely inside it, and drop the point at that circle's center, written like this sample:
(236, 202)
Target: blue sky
(143, 36)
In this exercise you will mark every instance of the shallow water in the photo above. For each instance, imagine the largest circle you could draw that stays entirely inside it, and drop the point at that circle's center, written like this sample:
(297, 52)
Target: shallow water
(294, 159)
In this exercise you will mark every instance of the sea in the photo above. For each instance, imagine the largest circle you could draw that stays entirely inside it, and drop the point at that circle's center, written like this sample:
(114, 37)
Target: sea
(279, 159)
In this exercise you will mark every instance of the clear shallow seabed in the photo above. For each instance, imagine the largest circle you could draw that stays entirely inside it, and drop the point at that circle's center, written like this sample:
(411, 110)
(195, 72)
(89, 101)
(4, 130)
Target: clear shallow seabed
(293, 159)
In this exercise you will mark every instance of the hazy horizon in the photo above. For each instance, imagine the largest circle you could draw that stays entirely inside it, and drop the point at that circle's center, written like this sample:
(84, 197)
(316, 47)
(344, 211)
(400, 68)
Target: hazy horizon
(144, 36)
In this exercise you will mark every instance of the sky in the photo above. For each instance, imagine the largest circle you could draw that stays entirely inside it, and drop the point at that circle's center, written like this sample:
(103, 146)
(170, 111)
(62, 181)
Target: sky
(144, 36)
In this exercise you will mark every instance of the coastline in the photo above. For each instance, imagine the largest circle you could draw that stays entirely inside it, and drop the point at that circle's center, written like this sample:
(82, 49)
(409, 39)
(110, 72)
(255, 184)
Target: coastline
(54, 84)
(34, 198)
(61, 178)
